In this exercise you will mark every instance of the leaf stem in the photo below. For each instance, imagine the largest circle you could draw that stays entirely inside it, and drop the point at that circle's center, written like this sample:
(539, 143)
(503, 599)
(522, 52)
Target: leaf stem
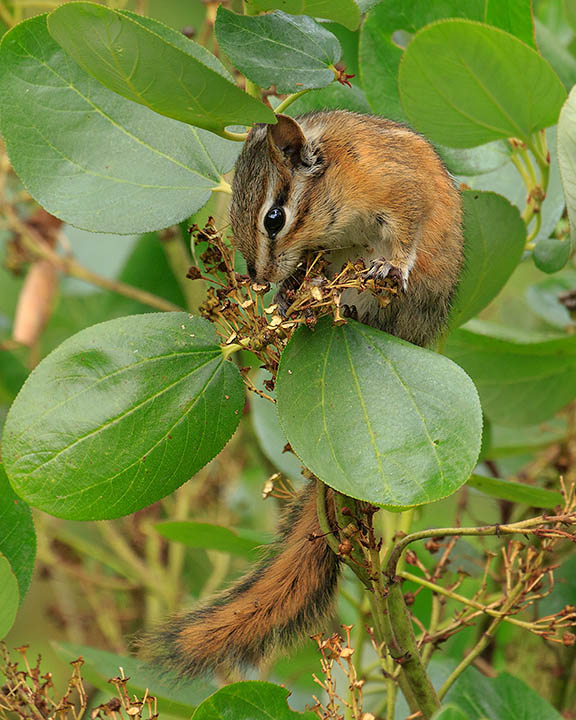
(290, 99)
(229, 135)
(223, 187)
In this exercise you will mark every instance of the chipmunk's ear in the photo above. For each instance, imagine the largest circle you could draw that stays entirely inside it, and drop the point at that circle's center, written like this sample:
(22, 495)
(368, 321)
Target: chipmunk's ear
(287, 137)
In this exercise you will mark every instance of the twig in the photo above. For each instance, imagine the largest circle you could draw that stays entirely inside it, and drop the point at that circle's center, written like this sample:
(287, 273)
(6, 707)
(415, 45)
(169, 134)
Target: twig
(530, 526)
(38, 248)
(484, 641)
(499, 614)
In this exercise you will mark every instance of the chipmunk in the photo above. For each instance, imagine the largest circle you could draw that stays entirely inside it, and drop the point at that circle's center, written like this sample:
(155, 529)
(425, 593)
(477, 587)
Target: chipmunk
(358, 186)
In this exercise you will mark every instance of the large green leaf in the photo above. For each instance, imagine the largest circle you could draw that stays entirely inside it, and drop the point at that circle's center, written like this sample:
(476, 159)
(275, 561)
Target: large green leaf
(514, 16)
(92, 157)
(495, 236)
(9, 597)
(567, 157)
(212, 537)
(153, 65)
(120, 415)
(292, 53)
(463, 83)
(249, 700)
(501, 698)
(380, 52)
(345, 12)
(560, 57)
(174, 698)
(17, 535)
(516, 492)
(377, 418)
(520, 383)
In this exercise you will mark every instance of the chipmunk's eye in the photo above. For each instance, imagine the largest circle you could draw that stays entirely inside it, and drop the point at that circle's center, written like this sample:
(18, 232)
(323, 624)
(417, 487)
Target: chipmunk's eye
(274, 221)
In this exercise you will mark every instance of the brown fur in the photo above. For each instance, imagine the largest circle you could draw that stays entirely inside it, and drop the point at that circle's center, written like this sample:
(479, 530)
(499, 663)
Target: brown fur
(284, 596)
(362, 186)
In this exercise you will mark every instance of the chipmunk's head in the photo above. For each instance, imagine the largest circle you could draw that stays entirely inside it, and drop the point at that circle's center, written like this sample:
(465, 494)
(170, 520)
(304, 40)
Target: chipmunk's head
(280, 207)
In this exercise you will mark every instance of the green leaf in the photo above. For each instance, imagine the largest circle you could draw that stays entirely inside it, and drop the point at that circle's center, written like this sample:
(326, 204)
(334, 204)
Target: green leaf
(544, 299)
(463, 84)
(520, 383)
(557, 55)
(153, 65)
(345, 12)
(147, 268)
(475, 161)
(567, 158)
(380, 53)
(377, 418)
(13, 373)
(249, 700)
(120, 415)
(514, 16)
(92, 157)
(349, 41)
(551, 254)
(212, 537)
(509, 441)
(9, 597)
(450, 712)
(569, 7)
(174, 697)
(17, 534)
(292, 53)
(516, 492)
(500, 698)
(335, 96)
(494, 239)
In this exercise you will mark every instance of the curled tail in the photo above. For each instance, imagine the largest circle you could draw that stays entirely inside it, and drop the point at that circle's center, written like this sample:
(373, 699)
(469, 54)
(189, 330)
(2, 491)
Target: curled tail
(286, 595)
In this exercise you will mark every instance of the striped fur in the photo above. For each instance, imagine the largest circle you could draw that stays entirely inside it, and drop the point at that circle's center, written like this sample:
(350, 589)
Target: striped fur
(288, 593)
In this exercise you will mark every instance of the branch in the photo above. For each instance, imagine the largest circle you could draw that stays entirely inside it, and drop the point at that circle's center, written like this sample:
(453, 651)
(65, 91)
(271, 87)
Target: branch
(532, 526)
(409, 660)
(466, 601)
(35, 245)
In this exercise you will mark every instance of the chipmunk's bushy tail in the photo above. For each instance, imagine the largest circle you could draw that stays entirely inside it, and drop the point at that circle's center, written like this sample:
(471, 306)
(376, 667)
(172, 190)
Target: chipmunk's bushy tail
(285, 596)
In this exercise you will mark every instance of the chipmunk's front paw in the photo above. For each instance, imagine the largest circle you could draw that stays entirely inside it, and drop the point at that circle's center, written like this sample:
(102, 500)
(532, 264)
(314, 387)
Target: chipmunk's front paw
(283, 299)
(380, 269)
(349, 311)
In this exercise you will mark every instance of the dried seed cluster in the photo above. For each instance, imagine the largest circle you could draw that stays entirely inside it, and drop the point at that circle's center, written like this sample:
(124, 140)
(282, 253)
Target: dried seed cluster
(238, 309)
